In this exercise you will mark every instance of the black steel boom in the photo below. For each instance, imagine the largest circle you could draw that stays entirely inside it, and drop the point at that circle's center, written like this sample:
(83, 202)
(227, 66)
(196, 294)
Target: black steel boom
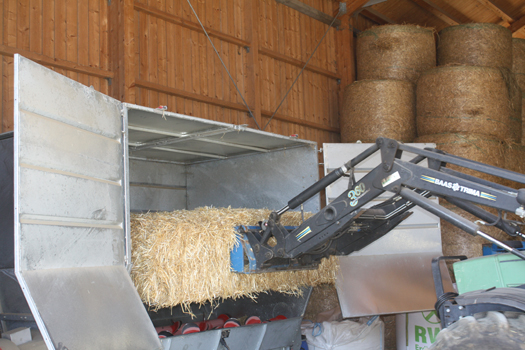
(345, 225)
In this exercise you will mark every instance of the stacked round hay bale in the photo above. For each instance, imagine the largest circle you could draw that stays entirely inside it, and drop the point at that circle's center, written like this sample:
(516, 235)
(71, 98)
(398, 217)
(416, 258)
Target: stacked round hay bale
(518, 61)
(400, 52)
(470, 106)
(382, 102)
(475, 44)
(374, 108)
(477, 147)
(469, 99)
(516, 144)
(456, 242)
(518, 68)
(489, 46)
(515, 161)
(523, 117)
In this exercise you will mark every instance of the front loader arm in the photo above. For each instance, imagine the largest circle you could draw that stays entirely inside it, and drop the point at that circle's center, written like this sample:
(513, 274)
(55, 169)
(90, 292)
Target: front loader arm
(345, 225)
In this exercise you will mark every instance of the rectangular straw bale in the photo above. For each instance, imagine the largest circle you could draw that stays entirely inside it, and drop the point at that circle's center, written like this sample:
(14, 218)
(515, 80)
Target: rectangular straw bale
(183, 257)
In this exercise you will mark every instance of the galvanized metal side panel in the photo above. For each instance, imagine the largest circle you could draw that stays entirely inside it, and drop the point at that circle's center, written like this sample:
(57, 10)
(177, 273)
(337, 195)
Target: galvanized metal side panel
(208, 340)
(72, 213)
(393, 274)
(285, 333)
(157, 186)
(245, 338)
(267, 180)
(91, 308)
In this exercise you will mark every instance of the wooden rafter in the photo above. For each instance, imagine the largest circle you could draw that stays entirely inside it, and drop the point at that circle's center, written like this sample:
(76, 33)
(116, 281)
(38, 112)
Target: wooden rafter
(353, 5)
(518, 25)
(497, 10)
(504, 23)
(371, 17)
(377, 16)
(507, 20)
(442, 11)
(310, 11)
(425, 6)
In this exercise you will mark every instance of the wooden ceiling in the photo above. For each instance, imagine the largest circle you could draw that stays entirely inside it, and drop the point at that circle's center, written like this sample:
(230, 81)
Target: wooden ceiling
(444, 13)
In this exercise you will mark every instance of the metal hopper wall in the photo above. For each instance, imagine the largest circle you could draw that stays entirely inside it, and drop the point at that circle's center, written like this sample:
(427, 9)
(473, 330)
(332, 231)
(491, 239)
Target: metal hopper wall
(73, 199)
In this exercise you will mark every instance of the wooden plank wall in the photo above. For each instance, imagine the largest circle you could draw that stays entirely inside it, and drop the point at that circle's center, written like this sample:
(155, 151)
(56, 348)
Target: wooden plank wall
(176, 65)
(285, 33)
(69, 36)
(154, 53)
(264, 45)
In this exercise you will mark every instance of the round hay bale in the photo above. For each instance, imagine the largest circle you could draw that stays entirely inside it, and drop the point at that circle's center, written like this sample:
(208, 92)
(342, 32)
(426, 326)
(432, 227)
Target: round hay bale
(515, 161)
(455, 241)
(400, 52)
(374, 108)
(518, 61)
(523, 118)
(480, 148)
(516, 108)
(469, 99)
(516, 119)
(520, 79)
(475, 44)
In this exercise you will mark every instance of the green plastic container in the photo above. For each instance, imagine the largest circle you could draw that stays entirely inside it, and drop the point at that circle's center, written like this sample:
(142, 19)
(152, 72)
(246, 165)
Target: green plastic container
(501, 270)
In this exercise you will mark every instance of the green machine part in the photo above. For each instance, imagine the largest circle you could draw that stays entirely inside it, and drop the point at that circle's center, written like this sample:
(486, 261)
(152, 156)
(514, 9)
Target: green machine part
(500, 270)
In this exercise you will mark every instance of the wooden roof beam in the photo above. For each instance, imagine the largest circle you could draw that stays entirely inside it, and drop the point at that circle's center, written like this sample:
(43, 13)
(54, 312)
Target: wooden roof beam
(518, 25)
(438, 9)
(425, 6)
(504, 23)
(507, 20)
(310, 11)
(497, 10)
(353, 6)
(376, 16)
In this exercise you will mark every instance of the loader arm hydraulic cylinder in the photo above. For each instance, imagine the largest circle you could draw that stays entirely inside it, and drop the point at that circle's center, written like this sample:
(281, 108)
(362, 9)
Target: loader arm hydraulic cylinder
(327, 180)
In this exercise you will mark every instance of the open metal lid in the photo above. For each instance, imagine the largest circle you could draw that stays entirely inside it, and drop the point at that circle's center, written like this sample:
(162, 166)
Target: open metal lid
(177, 138)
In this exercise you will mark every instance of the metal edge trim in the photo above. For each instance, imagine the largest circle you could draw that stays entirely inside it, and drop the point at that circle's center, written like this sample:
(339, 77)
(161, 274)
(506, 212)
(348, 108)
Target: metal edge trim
(125, 188)
(18, 271)
(212, 122)
(142, 159)
(249, 154)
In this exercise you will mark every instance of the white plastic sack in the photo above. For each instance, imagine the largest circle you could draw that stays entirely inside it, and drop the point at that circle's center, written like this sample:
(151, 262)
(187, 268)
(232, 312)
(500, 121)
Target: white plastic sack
(345, 335)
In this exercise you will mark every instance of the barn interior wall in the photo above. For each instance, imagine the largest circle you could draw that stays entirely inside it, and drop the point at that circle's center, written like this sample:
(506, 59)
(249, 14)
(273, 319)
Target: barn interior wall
(154, 52)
